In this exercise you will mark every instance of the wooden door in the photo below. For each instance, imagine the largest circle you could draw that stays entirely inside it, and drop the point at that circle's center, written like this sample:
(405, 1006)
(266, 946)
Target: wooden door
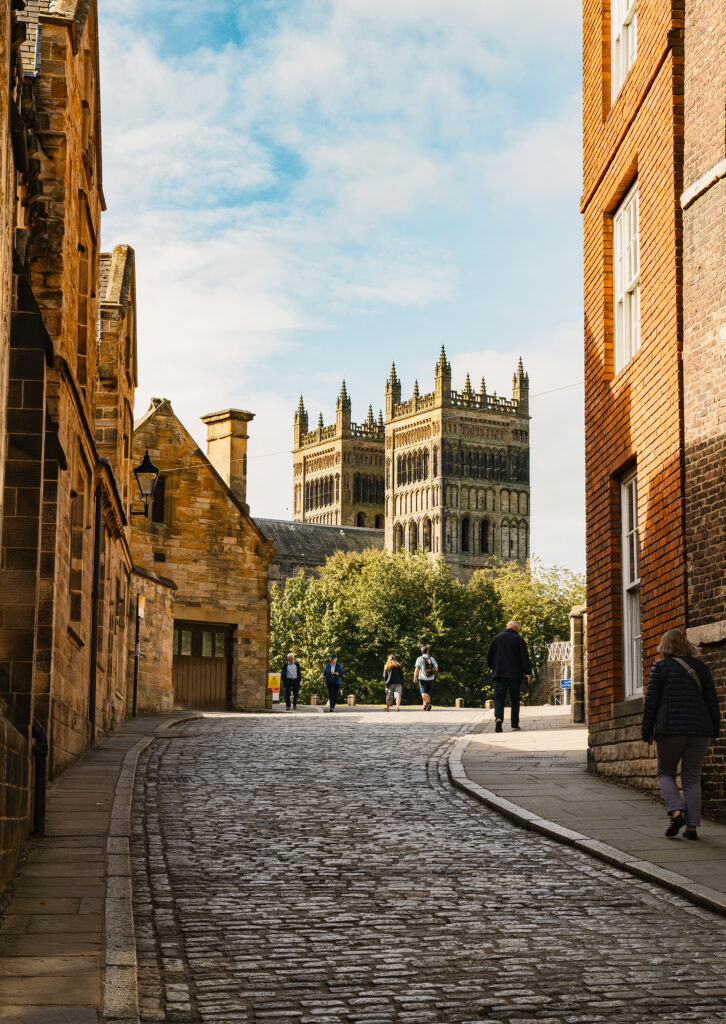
(202, 666)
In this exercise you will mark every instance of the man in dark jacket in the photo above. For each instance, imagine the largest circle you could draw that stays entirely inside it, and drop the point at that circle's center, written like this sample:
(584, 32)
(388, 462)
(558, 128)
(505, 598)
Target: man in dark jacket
(290, 676)
(333, 676)
(508, 658)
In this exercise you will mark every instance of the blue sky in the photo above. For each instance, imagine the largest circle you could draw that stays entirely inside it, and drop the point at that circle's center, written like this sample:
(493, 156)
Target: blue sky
(315, 188)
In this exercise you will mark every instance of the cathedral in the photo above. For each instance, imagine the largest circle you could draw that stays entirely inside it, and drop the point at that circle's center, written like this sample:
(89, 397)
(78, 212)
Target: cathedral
(446, 472)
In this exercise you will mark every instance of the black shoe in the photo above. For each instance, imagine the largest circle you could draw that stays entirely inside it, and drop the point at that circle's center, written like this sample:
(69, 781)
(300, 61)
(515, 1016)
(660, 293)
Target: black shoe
(516, 728)
(294, 707)
(498, 725)
(690, 833)
(676, 825)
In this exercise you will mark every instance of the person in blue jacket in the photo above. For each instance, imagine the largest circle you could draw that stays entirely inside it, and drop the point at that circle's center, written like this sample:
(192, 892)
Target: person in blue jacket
(333, 676)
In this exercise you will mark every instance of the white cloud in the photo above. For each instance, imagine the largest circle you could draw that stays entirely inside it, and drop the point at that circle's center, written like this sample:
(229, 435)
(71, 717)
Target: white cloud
(286, 186)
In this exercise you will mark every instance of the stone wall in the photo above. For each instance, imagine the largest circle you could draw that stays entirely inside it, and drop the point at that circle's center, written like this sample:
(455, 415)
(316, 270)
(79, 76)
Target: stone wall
(200, 536)
(616, 750)
(14, 789)
(7, 223)
(156, 637)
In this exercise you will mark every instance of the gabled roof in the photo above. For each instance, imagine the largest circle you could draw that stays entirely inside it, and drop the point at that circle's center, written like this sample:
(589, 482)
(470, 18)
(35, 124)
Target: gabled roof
(75, 11)
(314, 542)
(164, 405)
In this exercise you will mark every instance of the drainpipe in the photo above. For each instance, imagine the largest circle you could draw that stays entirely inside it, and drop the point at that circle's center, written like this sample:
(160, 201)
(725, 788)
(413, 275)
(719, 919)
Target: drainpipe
(95, 595)
(135, 704)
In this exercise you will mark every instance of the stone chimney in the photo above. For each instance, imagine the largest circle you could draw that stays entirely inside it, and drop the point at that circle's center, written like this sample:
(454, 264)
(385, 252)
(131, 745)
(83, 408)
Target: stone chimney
(227, 447)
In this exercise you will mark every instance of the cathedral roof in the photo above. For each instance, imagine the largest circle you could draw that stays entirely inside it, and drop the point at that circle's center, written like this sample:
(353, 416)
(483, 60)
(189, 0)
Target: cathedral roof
(313, 543)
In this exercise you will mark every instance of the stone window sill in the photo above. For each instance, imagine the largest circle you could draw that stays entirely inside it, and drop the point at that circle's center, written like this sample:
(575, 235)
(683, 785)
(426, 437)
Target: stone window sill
(631, 706)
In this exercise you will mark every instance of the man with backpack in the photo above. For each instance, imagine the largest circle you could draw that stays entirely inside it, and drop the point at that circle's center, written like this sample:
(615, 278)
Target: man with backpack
(426, 669)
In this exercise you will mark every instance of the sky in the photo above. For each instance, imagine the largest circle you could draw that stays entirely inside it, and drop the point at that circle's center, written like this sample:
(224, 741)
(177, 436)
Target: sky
(316, 188)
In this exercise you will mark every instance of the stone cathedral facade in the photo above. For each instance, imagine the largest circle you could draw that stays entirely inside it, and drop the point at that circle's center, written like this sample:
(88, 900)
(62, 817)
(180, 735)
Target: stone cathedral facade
(447, 473)
(457, 471)
(338, 469)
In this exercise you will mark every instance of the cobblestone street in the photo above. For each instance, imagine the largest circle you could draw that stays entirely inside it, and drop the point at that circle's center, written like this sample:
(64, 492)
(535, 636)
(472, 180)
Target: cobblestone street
(302, 868)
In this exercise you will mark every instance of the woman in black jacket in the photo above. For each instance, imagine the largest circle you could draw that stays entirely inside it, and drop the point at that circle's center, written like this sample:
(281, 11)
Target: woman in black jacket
(681, 710)
(393, 677)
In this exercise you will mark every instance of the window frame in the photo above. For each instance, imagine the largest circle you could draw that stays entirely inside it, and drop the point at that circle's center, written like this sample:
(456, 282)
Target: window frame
(626, 278)
(623, 42)
(631, 586)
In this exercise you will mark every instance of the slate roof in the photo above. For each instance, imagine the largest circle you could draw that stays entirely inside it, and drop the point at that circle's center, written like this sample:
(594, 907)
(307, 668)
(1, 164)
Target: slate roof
(313, 543)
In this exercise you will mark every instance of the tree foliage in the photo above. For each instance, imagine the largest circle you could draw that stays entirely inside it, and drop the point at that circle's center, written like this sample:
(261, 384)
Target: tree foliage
(369, 605)
(540, 599)
(365, 606)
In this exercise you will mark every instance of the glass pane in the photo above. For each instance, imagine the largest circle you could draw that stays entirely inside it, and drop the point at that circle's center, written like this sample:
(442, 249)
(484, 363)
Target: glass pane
(207, 644)
(186, 642)
(219, 645)
(176, 641)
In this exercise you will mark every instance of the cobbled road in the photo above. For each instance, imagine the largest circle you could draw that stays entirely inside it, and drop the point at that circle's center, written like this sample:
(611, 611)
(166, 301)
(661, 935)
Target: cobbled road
(308, 869)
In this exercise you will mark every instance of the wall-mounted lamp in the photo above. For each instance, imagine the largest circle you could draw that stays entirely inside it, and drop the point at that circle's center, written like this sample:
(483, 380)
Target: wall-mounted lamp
(146, 476)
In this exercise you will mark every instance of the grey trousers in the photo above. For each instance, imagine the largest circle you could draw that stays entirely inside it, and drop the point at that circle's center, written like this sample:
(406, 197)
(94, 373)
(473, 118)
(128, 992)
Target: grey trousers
(691, 752)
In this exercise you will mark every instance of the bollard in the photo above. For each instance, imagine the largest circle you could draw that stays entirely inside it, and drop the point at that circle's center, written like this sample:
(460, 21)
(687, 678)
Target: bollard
(460, 702)
(315, 700)
(351, 700)
(489, 705)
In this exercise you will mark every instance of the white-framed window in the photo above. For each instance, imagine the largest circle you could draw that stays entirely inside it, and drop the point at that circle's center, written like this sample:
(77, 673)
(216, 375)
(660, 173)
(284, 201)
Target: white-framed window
(632, 656)
(623, 41)
(626, 278)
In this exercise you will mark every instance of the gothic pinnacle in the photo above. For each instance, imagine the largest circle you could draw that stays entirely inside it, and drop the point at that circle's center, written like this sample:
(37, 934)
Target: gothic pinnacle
(320, 421)
(415, 389)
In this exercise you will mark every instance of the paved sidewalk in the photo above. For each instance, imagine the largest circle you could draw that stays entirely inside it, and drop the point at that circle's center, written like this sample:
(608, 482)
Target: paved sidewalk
(65, 950)
(538, 777)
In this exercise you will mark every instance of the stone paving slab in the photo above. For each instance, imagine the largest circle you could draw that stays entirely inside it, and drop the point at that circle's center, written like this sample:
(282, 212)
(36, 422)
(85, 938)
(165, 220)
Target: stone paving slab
(519, 769)
(58, 964)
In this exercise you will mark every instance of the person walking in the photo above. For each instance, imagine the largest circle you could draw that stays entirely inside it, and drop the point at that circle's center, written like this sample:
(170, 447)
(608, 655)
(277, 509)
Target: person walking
(508, 658)
(682, 713)
(333, 675)
(423, 674)
(290, 677)
(393, 677)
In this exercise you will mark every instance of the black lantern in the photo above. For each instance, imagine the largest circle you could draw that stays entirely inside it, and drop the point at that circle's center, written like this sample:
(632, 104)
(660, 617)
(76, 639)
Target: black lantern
(146, 476)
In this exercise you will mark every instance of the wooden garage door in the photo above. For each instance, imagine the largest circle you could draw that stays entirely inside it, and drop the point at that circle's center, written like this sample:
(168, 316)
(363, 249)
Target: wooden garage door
(202, 657)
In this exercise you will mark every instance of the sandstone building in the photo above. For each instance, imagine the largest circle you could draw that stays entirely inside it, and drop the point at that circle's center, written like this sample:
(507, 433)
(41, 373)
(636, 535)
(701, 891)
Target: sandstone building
(447, 473)
(65, 560)
(200, 540)
(457, 471)
(338, 470)
(655, 373)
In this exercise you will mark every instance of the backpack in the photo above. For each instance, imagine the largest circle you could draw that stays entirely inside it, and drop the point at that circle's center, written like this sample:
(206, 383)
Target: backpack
(427, 666)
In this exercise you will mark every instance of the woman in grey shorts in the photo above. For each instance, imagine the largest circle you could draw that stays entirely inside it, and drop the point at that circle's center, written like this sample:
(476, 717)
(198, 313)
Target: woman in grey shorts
(393, 677)
(681, 710)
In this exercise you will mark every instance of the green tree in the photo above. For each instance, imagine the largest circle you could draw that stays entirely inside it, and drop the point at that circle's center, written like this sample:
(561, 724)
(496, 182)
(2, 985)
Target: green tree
(369, 605)
(539, 598)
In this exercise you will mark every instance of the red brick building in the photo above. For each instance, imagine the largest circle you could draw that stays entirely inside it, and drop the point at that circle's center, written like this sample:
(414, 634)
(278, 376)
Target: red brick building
(637, 56)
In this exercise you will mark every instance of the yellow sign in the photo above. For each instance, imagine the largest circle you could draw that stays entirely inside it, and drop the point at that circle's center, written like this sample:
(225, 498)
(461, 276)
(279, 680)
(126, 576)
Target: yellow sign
(273, 682)
(141, 606)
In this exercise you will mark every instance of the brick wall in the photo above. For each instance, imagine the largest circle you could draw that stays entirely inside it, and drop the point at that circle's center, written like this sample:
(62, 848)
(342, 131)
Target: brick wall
(704, 354)
(209, 547)
(632, 418)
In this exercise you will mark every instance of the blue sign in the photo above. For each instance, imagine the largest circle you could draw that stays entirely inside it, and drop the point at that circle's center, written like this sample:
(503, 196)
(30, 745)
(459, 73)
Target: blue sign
(565, 684)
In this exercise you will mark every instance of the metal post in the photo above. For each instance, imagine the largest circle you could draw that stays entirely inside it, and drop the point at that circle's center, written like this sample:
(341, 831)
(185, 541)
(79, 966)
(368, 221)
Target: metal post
(95, 596)
(40, 761)
(136, 661)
